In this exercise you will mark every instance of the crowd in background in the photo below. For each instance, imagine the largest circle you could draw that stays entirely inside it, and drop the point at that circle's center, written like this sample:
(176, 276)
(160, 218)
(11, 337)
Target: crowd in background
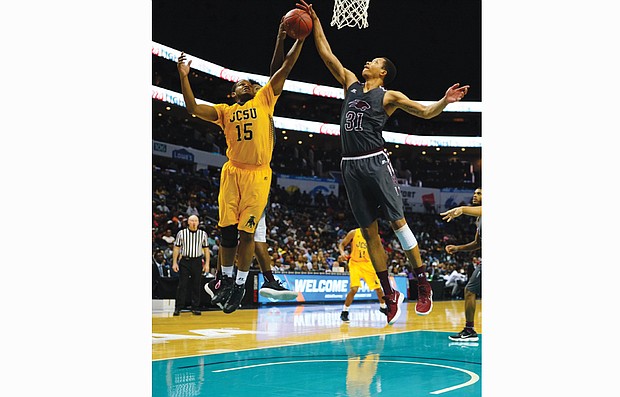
(312, 160)
(303, 231)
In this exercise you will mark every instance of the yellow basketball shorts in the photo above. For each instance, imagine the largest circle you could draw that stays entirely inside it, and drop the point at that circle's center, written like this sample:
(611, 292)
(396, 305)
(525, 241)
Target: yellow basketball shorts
(243, 196)
(365, 270)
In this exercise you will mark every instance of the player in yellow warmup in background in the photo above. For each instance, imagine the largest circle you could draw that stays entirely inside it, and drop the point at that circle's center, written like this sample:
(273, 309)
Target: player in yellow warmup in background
(360, 267)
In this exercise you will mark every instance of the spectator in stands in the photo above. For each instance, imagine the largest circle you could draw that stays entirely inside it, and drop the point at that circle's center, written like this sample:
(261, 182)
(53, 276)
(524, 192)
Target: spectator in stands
(162, 207)
(336, 268)
(168, 251)
(164, 267)
(456, 280)
(192, 209)
(157, 274)
(301, 263)
(168, 237)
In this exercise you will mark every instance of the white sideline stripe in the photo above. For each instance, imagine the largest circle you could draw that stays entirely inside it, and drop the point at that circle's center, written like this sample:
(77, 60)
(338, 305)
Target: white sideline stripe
(473, 376)
(296, 343)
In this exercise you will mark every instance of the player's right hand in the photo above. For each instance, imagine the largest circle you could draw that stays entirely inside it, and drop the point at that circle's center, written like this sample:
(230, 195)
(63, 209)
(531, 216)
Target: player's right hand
(307, 8)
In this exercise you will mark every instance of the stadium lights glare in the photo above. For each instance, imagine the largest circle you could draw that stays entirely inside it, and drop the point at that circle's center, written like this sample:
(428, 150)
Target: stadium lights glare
(284, 123)
(212, 69)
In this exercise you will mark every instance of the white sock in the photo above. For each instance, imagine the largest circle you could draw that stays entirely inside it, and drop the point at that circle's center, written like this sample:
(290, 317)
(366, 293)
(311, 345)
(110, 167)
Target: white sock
(228, 270)
(382, 305)
(241, 276)
(345, 309)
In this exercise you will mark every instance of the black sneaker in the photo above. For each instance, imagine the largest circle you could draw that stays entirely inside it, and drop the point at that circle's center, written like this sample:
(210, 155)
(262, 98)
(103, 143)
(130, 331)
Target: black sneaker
(237, 293)
(275, 290)
(344, 316)
(197, 312)
(212, 288)
(177, 313)
(223, 293)
(383, 310)
(466, 335)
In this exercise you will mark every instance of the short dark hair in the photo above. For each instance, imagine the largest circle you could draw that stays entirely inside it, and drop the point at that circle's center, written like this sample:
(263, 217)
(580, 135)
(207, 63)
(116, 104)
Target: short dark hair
(391, 70)
(234, 86)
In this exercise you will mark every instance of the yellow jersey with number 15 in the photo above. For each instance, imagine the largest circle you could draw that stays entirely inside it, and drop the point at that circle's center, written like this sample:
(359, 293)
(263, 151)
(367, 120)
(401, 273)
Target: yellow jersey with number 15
(249, 128)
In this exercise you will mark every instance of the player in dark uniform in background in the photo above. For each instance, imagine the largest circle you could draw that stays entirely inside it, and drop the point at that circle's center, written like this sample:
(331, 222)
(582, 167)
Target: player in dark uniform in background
(474, 286)
(368, 175)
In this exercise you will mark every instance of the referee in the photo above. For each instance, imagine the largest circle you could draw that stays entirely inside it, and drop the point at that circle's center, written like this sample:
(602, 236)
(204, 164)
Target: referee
(191, 246)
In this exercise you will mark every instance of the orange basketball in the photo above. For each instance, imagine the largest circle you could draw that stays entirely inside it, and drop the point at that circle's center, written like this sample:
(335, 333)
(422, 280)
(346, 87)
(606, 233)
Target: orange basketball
(297, 23)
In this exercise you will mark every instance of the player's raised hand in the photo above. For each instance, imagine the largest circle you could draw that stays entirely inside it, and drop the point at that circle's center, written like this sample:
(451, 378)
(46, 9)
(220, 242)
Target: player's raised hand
(281, 29)
(456, 93)
(451, 214)
(182, 66)
(307, 8)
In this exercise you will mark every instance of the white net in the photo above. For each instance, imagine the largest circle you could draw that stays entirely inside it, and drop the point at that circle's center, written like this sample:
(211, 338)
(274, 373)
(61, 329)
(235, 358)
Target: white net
(350, 13)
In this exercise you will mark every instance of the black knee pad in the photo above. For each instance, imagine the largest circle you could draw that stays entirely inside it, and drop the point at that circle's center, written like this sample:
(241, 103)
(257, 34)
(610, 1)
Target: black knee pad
(230, 235)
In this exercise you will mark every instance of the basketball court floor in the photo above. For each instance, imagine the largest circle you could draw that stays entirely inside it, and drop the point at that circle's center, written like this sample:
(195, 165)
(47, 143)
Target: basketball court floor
(305, 349)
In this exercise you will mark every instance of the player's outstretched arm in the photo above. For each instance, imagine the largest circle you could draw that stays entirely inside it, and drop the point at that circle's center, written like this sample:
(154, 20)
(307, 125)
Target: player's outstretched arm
(464, 210)
(343, 75)
(204, 111)
(397, 100)
(471, 246)
(278, 53)
(280, 76)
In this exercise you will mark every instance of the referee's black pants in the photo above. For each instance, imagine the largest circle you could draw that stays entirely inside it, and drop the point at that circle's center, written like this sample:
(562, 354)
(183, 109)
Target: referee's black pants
(190, 273)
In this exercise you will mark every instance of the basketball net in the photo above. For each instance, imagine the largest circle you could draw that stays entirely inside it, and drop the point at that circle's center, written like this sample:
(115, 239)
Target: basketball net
(350, 13)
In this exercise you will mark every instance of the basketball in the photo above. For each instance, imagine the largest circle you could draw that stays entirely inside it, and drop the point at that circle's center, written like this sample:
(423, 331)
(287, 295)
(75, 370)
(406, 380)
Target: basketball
(297, 23)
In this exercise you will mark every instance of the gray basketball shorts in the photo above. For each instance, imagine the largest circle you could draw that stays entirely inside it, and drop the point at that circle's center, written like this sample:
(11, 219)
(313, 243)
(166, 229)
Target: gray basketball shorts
(474, 283)
(371, 187)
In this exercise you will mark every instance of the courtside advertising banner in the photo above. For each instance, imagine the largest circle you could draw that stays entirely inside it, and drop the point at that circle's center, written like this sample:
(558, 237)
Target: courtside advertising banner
(327, 287)
(309, 185)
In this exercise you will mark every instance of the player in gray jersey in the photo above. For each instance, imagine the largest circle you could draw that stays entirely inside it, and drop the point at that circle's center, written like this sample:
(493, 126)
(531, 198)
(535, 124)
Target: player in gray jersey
(474, 284)
(368, 175)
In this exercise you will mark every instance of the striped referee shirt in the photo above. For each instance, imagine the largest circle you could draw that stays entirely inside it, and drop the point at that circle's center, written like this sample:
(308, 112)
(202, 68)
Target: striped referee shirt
(191, 243)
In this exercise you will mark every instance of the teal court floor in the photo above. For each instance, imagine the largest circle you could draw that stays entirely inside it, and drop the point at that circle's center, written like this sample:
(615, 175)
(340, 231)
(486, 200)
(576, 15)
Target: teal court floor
(409, 363)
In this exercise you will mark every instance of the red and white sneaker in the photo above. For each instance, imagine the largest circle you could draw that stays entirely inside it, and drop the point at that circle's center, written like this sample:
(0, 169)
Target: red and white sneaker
(424, 305)
(393, 302)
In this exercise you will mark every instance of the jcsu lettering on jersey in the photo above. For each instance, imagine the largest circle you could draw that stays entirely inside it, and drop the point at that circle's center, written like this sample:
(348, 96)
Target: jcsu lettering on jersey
(244, 114)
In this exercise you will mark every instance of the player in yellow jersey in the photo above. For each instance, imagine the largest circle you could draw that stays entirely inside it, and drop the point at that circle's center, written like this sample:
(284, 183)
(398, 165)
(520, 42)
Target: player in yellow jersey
(272, 287)
(246, 176)
(360, 267)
